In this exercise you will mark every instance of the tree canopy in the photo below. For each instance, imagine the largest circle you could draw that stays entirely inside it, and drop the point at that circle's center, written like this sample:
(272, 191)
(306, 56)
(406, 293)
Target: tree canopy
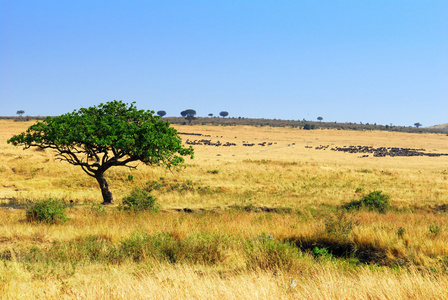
(107, 135)
(223, 114)
(188, 112)
(161, 113)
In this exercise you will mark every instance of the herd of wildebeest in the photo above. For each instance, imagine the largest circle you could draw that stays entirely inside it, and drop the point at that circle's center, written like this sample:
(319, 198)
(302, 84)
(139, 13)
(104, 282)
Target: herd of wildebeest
(382, 151)
(365, 151)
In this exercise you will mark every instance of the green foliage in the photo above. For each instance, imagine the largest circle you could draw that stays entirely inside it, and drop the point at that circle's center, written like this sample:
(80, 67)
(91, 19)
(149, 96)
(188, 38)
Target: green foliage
(374, 201)
(140, 200)
(154, 185)
(187, 186)
(434, 230)
(400, 232)
(114, 127)
(48, 211)
(321, 252)
(107, 135)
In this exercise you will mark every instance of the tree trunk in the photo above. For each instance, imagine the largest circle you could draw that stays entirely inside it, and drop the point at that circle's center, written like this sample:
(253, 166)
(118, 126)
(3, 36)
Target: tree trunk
(104, 186)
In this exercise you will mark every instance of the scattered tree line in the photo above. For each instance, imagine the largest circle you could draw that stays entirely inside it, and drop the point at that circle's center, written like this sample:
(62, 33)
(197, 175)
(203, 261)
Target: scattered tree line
(302, 124)
(189, 115)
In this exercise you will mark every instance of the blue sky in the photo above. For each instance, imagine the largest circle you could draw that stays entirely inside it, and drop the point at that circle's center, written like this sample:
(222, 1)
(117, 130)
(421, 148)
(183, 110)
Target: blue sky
(371, 61)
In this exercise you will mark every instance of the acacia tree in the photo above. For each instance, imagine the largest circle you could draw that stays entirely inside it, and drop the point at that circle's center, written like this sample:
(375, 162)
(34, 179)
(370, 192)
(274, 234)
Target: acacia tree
(111, 134)
(20, 112)
(188, 114)
(223, 114)
(161, 113)
(418, 124)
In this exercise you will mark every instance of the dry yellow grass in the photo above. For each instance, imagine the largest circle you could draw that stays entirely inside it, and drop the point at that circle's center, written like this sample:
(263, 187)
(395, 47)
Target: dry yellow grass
(286, 174)
(186, 282)
(283, 174)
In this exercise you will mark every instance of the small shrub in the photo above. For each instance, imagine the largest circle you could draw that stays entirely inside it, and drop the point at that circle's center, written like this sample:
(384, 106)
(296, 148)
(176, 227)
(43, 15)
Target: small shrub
(374, 201)
(339, 225)
(48, 211)
(213, 171)
(154, 185)
(400, 232)
(359, 190)
(140, 200)
(321, 252)
(434, 230)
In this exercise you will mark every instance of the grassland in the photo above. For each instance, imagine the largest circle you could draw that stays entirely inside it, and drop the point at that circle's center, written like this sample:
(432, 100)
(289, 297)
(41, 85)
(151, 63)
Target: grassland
(240, 222)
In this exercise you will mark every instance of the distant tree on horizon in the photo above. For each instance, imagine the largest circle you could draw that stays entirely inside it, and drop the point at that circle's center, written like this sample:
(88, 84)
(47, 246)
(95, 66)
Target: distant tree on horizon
(210, 115)
(161, 113)
(418, 124)
(20, 112)
(320, 119)
(223, 114)
(188, 114)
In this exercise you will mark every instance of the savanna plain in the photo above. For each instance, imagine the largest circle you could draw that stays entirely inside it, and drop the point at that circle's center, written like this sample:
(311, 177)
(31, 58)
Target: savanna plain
(284, 218)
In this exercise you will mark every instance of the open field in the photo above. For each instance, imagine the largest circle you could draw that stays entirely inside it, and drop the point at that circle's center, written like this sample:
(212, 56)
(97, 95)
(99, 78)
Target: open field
(252, 218)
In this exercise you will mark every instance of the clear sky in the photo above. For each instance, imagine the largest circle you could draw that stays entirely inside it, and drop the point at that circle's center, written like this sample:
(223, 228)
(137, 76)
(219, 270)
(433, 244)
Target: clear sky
(370, 61)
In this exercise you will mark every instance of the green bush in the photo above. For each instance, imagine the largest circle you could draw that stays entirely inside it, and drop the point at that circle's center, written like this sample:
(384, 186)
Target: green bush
(48, 211)
(374, 201)
(321, 252)
(140, 200)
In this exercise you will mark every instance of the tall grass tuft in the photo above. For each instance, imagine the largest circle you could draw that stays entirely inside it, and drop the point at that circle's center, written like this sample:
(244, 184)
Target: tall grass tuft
(267, 253)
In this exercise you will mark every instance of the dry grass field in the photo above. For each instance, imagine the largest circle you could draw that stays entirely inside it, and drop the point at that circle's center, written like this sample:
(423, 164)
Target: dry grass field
(239, 222)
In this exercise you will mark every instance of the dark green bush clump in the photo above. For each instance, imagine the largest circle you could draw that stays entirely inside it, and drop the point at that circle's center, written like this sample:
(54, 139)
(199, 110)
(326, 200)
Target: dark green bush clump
(374, 201)
(140, 200)
(49, 211)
